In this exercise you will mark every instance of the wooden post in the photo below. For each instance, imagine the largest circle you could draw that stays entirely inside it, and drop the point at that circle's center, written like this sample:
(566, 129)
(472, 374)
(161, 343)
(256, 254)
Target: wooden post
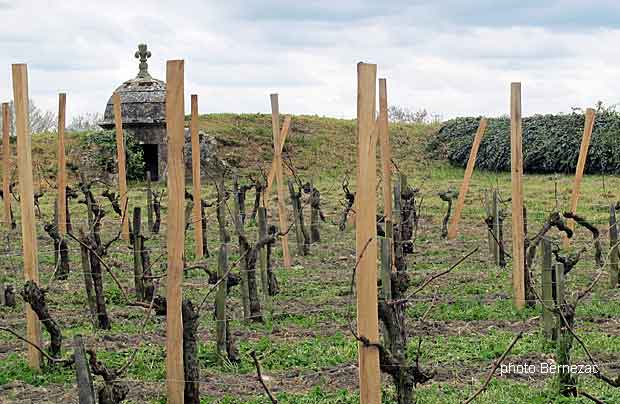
(497, 231)
(315, 215)
(469, 170)
(386, 268)
(203, 228)
(581, 164)
(222, 269)
(56, 248)
(89, 206)
(516, 163)
(547, 288)
(26, 201)
(243, 250)
(138, 265)
(62, 167)
(386, 157)
(120, 157)
(197, 213)
(86, 392)
(272, 171)
(6, 164)
(262, 234)
(613, 245)
(386, 169)
(88, 279)
(175, 111)
(398, 198)
(558, 268)
(149, 201)
(397, 216)
(488, 208)
(277, 150)
(530, 298)
(559, 285)
(295, 202)
(220, 304)
(366, 235)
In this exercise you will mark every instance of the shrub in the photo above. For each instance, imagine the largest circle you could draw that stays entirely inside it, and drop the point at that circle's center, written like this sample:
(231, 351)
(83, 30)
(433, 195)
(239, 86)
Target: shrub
(98, 150)
(550, 143)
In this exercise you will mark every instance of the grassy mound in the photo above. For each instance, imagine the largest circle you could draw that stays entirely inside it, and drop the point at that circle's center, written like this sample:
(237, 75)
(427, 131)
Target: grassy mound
(315, 146)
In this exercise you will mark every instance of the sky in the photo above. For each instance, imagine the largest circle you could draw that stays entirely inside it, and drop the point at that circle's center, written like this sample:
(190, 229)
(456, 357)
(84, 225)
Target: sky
(450, 57)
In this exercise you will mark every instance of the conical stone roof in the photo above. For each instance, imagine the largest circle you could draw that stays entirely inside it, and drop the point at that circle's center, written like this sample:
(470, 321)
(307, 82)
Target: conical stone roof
(143, 98)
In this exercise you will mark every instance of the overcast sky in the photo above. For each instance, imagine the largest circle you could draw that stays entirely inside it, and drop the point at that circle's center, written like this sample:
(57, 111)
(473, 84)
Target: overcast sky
(452, 57)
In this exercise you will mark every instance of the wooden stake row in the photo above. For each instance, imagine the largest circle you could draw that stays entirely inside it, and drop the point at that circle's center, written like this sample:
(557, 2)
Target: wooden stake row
(26, 201)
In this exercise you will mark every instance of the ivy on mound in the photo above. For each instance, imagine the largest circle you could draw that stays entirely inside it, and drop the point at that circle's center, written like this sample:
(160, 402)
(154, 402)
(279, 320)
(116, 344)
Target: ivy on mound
(550, 143)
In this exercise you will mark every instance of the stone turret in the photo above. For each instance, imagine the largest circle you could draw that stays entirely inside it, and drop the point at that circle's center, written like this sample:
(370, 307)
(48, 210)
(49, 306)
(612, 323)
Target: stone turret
(143, 111)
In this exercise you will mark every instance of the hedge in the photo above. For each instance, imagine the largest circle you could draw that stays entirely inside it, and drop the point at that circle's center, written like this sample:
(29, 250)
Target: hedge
(550, 143)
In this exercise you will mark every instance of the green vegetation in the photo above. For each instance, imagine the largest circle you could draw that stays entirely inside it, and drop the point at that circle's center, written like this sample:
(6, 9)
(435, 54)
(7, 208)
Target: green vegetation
(93, 151)
(550, 143)
(100, 148)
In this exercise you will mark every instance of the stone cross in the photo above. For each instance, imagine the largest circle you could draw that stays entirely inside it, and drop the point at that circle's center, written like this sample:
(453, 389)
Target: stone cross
(143, 54)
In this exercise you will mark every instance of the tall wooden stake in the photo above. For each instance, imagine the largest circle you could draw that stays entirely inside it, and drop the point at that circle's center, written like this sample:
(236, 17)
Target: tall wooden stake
(581, 164)
(516, 164)
(197, 213)
(469, 170)
(175, 111)
(386, 268)
(613, 246)
(86, 392)
(277, 156)
(149, 201)
(243, 268)
(6, 164)
(122, 173)
(559, 287)
(62, 166)
(497, 230)
(222, 270)
(366, 235)
(491, 208)
(547, 288)
(397, 246)
(386, 159)
(299, 235)
(138, 264)
(26, 200)
(262, 259)
(272, 171)
(220, 305)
